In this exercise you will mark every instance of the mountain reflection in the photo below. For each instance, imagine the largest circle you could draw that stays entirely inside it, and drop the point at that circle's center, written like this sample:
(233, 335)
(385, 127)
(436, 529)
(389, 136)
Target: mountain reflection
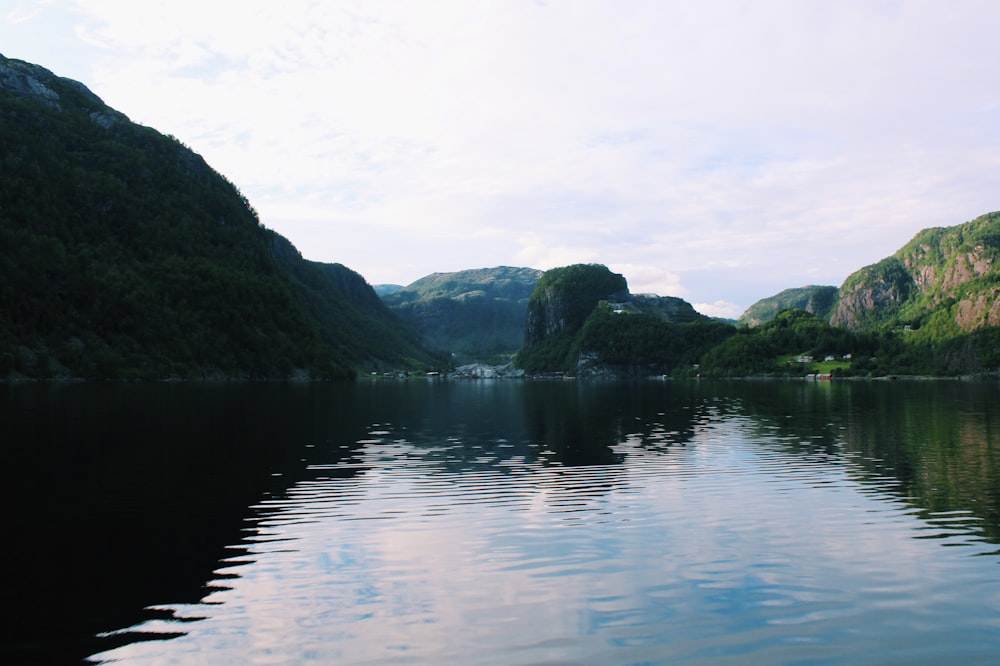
(600, 522)
(934, 444)
(144, 508)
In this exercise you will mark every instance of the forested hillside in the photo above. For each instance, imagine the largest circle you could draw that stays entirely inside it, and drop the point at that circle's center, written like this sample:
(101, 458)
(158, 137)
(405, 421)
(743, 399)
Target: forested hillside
(124, 255)
(815, 299)
(476, 314)
(946, 280)
(582, 319)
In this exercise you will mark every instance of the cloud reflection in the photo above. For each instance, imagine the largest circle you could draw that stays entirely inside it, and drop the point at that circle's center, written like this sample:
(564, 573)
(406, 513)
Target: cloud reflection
(730, 546)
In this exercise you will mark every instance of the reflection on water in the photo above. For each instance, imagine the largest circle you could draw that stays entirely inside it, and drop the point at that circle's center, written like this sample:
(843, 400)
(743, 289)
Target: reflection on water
(935, 445)
(504, 522)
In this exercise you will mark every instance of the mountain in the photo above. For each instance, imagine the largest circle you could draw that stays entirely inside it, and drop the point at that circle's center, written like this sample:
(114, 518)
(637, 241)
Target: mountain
(476, 314)
(563, 299)
(583, 319)
(815, 299)
(385, 289)
(946, 280)
(665, 308)
(124, 255)
(931, 308)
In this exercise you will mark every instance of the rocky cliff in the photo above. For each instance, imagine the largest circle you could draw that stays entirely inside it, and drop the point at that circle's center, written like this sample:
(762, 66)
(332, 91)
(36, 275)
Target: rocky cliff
(582, 319)
(564, 298)
(947, 274)
(670, 309)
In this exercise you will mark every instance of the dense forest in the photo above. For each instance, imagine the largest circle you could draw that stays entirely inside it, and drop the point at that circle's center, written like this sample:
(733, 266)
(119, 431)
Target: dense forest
(558, 308)
(643, 344)
(475, 314)
(124, 255)
(582, 319)
(596, 333)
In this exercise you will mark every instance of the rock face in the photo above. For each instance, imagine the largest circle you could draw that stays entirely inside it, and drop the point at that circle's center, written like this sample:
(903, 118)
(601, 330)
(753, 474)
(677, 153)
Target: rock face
(950, 270)
(873, 295)
(668, 308)
(26, 79)
(547, 316)
(564, 298)
(583, 320)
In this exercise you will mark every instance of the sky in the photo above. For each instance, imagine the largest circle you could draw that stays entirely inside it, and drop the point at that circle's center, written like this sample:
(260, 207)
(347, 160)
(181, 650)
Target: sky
(715, 150)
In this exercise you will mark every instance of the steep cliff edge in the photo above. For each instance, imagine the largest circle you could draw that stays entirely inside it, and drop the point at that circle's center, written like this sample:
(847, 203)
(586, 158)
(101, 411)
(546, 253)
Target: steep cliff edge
(583, 320)
(564, 298)
(948, 277)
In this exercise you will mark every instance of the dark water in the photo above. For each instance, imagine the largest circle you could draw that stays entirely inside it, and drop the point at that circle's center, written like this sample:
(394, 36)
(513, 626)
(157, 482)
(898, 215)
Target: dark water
(502, 523)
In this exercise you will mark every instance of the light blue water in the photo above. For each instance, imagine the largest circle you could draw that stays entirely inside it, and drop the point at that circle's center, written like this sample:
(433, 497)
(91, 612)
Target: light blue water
(499, 523)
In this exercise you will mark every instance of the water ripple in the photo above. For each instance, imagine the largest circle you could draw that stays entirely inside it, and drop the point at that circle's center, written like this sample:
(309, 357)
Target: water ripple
(727, 547)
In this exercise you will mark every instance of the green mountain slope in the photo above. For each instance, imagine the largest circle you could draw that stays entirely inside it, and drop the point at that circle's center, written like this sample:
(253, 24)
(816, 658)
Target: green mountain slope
(815, 299)
(475, 314)
(582, 319)
(386, 289)
(945, 280)
(124, 255)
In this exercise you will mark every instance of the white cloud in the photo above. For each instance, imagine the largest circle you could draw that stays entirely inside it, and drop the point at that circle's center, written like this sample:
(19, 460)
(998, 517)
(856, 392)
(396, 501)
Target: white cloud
(546, 252)
(21, 14)
(647, 279)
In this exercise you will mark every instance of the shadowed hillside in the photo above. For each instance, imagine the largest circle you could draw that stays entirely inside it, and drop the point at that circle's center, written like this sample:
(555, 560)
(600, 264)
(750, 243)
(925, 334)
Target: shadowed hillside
(476, 314)
(124, 255)
(583, 320)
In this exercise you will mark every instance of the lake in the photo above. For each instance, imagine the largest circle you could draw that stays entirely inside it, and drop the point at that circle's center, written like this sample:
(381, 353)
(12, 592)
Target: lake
(502, 522)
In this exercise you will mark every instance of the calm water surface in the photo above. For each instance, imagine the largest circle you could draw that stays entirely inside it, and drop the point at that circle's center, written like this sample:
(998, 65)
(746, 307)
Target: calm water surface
(499, 522)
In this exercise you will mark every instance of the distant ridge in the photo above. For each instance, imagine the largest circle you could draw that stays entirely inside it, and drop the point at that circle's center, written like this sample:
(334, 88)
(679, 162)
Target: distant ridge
(815, 299)
(476, 314)
(386, 289)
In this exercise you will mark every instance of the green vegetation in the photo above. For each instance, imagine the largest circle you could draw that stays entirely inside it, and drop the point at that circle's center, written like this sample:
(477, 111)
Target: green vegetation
(555, 354)
(816, 300)
(775, 349)
(124, 255)
(932, 308)
(564, 298)
(772, 348)
(557, 310)
(617, 337)
(951, 270)
(475, 314)
(582, 318)
(645, 344)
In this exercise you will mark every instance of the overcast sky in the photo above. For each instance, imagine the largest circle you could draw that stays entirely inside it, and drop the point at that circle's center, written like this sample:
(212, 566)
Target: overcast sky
(719, 151)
